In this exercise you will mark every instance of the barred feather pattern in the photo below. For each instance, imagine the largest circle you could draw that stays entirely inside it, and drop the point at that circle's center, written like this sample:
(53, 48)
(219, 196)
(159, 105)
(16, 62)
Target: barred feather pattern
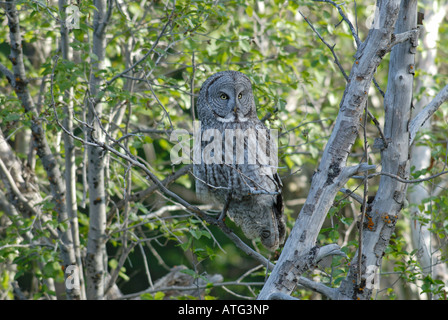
(233, 167)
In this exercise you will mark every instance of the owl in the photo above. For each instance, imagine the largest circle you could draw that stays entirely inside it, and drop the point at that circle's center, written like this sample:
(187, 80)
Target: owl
(232, 167)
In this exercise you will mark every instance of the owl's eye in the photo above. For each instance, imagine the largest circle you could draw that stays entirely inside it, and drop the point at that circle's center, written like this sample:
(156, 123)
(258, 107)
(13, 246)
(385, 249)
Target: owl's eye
(240, 96)
(224, 96)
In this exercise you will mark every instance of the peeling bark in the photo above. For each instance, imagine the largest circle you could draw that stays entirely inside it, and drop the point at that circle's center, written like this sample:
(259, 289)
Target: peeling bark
(18, 80)
(390, 197)
(332, 173)
(95, 259)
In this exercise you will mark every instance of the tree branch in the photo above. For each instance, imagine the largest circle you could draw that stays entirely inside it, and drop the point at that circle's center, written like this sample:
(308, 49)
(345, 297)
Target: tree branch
(8, 74)
(420, 119)
(402, 180)
(336, 60)
(332, 173)
(39, 139)
(391, 193)
(154, 45)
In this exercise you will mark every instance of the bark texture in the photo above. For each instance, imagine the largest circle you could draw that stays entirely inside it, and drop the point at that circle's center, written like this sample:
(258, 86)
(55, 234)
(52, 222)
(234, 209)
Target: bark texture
(390, 198)
(299, 250)
(18, 80)
(96, 251)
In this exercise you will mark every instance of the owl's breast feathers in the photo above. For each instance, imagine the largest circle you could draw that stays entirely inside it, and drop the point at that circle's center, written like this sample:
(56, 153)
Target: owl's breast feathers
(237, 165)
(257, 202)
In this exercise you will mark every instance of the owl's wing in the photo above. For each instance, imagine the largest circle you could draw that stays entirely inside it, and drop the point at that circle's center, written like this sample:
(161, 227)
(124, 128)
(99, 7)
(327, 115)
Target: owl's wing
(258, 173)
(258, 189)
(202, 190)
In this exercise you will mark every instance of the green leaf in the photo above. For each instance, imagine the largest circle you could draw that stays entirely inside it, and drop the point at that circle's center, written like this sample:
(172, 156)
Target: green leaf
(51, 269)
(249, 10)
(159, 295)
(113, 263)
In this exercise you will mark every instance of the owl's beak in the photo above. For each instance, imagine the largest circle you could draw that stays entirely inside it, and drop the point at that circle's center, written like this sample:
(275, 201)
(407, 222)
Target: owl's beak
(234, 109)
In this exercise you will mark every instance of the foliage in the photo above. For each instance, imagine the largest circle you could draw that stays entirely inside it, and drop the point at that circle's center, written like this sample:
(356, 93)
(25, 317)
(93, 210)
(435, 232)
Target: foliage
(297, 88)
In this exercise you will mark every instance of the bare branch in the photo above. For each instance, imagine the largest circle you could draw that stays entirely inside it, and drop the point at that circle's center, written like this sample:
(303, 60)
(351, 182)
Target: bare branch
(43, 150)
(193, 287)
(405, 36)
(280, 296)
(336, 60)
(400, 179)
(8, 74)
(420, 119)
(154, 45)
(344, 18)
(332, 171)
(12, 184)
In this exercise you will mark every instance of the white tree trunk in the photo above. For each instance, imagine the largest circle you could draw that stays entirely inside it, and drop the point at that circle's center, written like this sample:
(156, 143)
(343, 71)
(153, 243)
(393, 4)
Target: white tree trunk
(421, 155)
(300, 251)
(95, 257)
(390, 198)
(18, 80)
(69, 148)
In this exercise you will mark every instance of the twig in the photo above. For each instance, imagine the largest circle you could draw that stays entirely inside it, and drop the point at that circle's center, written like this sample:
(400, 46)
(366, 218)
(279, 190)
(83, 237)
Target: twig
(193, 65)
(160, 104)
(401, 179)
(29, 245)
(114, 275)
(25, 202)
(193, 287)
(344, 17)
(148, 53)
(426, 113)
(145, 263)
(364, 199)
(336, 60)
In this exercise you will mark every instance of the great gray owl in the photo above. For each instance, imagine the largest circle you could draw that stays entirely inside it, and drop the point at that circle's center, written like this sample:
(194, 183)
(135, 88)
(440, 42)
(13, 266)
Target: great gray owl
(233, 171)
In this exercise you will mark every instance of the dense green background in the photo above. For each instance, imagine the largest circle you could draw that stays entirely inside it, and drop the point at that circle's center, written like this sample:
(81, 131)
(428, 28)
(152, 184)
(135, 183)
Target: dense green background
(294, 79)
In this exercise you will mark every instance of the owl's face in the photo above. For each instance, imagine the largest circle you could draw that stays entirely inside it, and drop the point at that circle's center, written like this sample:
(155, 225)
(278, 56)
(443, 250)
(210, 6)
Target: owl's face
(228, 95)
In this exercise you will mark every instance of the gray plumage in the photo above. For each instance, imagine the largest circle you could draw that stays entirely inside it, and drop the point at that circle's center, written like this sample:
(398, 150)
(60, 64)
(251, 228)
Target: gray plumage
(226, 104)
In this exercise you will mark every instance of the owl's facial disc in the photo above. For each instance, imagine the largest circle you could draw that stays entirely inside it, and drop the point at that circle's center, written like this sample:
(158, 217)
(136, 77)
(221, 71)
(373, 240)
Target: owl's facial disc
(232, 103)
(223, 104)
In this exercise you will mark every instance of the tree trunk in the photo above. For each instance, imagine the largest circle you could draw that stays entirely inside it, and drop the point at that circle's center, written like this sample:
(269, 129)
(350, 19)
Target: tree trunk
(19, 82)
(390, 198)
(69, 148)
(421, 155)
(96, 251)
(300, 253)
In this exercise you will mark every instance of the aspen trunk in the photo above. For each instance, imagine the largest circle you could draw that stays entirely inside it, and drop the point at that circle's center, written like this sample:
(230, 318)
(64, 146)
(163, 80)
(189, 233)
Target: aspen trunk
(390, 198)
(96, 253)
(300, 253)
